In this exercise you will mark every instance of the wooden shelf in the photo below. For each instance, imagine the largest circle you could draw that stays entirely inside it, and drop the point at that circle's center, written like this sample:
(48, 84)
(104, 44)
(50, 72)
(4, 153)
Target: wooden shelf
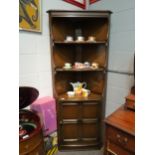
(79, 70)
(75, 121)
(84, 103)
(79, 42)
(80, 145)
(83, 139)
(91, 97)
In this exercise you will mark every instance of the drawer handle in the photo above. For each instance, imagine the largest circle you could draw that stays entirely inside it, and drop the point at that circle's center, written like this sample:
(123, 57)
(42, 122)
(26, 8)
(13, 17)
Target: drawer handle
(120, 140)
(110, 151)
(125, 140)
(118, 136)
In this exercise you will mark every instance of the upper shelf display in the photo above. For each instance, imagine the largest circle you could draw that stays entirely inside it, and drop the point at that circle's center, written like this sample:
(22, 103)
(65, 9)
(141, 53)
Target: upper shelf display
(79, 40)
(78, 28)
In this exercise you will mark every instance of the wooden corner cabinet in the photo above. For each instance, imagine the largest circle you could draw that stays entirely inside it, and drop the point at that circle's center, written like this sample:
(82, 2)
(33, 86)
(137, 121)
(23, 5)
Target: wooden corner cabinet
(79, 118)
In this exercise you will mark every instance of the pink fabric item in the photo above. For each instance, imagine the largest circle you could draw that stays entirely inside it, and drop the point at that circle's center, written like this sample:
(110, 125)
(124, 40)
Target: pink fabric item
(46, 108)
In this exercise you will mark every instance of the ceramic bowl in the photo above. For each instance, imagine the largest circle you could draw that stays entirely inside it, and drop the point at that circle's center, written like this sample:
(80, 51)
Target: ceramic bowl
(91, 39)
(70, 93)
(69, 38)
(67, 66)
(80, 38)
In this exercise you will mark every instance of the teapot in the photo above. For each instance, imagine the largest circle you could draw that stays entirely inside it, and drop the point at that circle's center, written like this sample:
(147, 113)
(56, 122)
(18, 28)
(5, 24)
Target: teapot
(77, 87)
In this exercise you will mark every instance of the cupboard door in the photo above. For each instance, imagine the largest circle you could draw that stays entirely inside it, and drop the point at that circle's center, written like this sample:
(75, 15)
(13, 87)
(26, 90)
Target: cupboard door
(69, 131)
(90, 130)
(91, 110)
(70, 111)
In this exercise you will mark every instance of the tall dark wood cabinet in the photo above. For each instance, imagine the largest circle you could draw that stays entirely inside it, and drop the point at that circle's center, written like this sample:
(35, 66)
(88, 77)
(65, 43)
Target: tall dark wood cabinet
(79, 119)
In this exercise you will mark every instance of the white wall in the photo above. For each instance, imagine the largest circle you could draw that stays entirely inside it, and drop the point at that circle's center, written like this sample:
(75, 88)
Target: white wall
(121, 49)
(34, 52)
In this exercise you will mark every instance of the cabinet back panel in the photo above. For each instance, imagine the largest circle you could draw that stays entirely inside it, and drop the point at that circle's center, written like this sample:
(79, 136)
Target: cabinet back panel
(61, 55)
(97, 27)
(93, 53)
(62, 82)
(95, 81)
(61, 28)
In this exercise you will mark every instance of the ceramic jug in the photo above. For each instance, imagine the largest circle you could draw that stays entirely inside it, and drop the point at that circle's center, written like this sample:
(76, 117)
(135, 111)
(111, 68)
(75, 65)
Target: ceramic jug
(77, 87)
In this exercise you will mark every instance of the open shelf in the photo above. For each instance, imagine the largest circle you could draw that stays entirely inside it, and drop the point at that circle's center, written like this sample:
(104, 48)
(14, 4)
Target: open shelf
(80, 70)
(91, 97)
(78, 42)
(71, 54)
(62, 27)
(95, 83)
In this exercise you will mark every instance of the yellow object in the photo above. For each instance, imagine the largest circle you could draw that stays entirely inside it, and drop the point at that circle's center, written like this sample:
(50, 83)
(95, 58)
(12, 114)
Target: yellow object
(78, 90)
(85, 92)
(29, 15)
(52, 151)
(54, 142)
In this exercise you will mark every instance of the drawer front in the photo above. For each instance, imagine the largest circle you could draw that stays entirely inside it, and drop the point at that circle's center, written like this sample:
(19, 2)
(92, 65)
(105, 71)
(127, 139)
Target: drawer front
(113, 149)
(121, 138)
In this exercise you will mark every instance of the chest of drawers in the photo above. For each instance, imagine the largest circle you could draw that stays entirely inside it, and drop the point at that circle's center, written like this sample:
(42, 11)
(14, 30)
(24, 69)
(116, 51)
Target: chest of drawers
(120, 133)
